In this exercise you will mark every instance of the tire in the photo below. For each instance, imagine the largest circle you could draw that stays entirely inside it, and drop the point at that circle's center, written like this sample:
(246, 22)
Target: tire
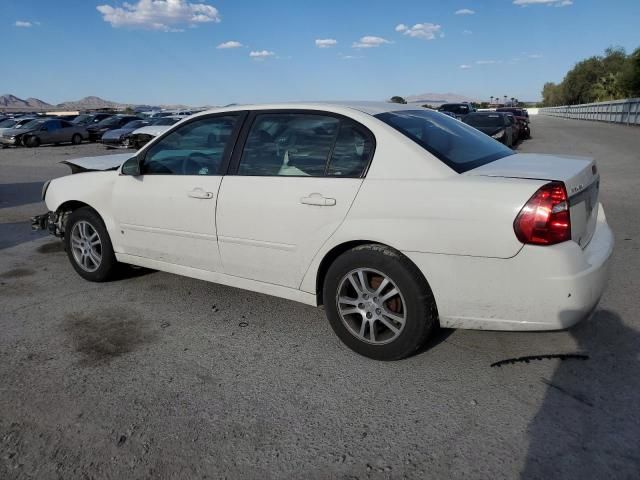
(31, 142)
(414, 304)
(100, 264)
(76, 139)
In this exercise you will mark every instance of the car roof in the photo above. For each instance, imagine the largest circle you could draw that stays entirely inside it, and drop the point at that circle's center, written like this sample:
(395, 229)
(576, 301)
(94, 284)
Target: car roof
(371, 108)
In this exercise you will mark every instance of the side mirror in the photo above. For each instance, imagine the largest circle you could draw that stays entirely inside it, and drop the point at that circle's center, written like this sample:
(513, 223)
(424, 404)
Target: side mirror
(132, 167)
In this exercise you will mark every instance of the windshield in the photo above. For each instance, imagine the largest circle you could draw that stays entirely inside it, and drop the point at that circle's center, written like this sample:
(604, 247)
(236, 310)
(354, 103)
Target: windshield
(81, 119)
(165, 121)
(32, 124)
(479, 120)
(135, 124)
(456, 144)
(453, 108)
(109, 122)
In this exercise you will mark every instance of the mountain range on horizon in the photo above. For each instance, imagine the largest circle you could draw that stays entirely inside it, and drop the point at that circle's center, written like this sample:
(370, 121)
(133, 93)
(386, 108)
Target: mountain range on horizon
(31, 104)
(12, 102)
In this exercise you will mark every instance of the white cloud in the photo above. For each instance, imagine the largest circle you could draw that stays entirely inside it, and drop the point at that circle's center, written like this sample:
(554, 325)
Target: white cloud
(465, 67)
(23, 24)
(467, 32)
(261, 54)
(487, 62)
(426, 31)
(229, 44)
(325, 42)
(369, 41)
(535, 55)
(555, 3)
(162, 15)
(464, 11)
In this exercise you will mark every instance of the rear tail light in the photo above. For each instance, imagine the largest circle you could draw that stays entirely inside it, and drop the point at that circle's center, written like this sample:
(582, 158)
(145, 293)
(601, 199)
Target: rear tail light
(545, 219)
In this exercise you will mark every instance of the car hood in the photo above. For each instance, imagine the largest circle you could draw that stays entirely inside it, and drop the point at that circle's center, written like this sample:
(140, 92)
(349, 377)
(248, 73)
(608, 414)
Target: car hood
(10, 132)
(96, 164)
(154, 130)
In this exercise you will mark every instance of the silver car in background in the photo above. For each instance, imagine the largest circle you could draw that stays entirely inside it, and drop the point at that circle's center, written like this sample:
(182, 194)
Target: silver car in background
(43, 131)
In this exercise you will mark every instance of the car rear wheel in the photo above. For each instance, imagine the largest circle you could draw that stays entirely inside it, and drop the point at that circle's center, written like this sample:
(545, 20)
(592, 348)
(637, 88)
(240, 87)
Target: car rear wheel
(378, 303)
(88, 246)
(76, 139)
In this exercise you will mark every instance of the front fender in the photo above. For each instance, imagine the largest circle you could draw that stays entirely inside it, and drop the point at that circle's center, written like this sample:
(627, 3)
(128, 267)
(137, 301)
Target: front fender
(91, 188)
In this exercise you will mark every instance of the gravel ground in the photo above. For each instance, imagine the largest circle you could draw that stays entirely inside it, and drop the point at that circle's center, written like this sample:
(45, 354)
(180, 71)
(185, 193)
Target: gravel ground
(159, 376)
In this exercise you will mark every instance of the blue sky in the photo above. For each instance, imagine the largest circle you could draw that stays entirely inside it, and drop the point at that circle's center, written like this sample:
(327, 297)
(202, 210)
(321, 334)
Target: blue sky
(147, 53)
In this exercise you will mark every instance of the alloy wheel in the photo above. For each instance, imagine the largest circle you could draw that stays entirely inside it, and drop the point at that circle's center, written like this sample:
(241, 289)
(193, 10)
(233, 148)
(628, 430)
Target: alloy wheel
(371, 306)
(86, 246)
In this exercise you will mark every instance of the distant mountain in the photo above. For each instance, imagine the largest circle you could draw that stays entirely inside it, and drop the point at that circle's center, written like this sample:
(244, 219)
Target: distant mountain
(436, 99)
(37, 103)
(90, 103)
(12, 103)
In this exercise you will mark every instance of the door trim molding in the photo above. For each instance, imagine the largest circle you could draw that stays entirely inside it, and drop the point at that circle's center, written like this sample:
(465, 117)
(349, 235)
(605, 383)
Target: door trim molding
(258, 243)
(166, 231)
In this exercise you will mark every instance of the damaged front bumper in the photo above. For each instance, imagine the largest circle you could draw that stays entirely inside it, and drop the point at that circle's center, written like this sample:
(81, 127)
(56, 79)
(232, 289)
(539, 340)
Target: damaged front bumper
(53, 222)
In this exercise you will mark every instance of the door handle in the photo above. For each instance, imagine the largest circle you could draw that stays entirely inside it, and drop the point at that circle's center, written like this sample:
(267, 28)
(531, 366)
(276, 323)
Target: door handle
(200, 193)
(318, 200)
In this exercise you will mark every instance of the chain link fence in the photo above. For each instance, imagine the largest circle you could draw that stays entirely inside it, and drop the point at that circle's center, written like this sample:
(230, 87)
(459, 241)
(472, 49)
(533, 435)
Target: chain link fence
(626, 111)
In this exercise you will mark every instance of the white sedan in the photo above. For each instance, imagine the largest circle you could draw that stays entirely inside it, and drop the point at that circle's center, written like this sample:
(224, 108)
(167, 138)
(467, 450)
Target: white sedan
(397, 219)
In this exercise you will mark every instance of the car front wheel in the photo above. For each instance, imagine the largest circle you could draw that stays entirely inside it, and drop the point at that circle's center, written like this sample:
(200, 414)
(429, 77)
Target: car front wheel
(378, 303)
(88, 246)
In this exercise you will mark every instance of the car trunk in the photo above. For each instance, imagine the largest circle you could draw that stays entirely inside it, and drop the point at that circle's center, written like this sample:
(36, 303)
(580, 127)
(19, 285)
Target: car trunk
(578, 174)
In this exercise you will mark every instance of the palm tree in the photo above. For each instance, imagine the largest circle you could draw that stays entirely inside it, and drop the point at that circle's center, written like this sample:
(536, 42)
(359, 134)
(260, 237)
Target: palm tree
(512, 101)
(505, 99)
(491, 100)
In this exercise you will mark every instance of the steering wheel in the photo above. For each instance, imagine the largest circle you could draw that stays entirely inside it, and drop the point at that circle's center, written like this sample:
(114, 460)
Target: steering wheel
(193, 163)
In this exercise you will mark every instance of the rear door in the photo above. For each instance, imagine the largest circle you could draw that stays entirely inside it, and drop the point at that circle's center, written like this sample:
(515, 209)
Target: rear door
(168, 212)
(289, 188)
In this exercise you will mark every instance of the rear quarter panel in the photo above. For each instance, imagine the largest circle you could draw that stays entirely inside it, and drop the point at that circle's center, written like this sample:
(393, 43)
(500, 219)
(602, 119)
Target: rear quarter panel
(462, 216)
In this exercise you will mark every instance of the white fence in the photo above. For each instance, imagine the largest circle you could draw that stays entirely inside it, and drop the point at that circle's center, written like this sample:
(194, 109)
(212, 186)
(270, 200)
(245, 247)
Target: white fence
(625, 111)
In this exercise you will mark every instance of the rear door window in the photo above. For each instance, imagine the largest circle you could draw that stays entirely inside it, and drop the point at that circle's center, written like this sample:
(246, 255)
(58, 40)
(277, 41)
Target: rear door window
(305, 145)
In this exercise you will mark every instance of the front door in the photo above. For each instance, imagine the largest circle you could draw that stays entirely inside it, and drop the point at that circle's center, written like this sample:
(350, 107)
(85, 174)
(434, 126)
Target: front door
(168, 212)
(293, 184)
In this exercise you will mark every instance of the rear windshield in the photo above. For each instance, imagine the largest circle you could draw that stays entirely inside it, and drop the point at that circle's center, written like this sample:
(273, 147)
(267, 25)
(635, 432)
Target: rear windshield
(456, 144)
(453, 108)
(481, 120)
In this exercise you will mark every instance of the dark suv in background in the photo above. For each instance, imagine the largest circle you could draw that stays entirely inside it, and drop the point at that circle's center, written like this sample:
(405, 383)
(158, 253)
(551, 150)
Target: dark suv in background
(111, 123)
(458, 109)
(522, 117)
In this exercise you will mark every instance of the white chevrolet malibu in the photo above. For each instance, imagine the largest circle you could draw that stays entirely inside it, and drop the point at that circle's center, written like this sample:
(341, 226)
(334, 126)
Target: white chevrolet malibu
(396, 218)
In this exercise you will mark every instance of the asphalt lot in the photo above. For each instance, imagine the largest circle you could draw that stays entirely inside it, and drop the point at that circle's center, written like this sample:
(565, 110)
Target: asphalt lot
(159, 376)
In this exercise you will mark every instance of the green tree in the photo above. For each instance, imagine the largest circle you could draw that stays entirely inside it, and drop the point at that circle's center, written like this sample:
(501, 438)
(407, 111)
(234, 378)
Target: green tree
(397, 99)
(630, 74)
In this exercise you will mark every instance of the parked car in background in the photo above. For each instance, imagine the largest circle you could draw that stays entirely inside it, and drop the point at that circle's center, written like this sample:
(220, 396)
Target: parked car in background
(397, 219)
(157, 126)
(496, 125)
(44, 131)
(458, 109)
(10, 123)
(96, 131)
(518, 132)
(88, 119)
(120, 137)
(522, 117)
